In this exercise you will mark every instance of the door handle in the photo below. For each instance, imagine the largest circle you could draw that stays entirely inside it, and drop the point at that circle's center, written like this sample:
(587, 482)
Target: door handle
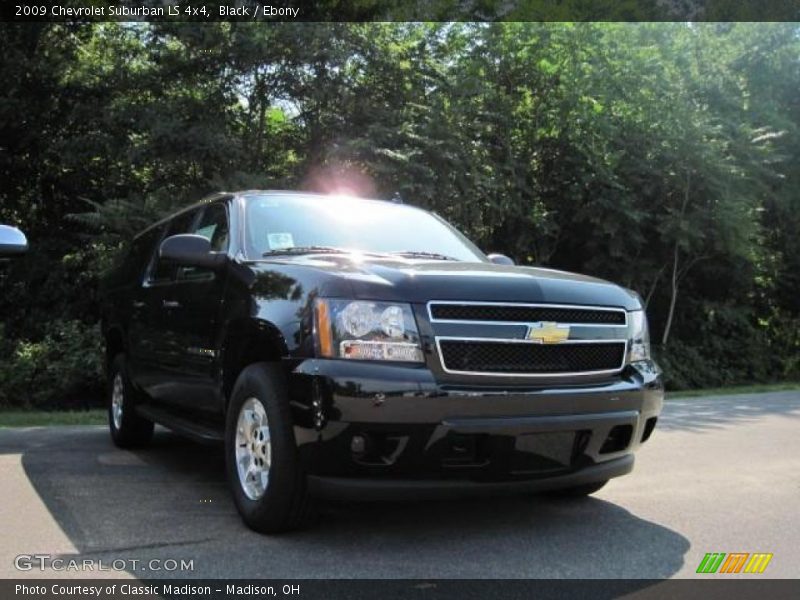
(138, 304)
(171, 304)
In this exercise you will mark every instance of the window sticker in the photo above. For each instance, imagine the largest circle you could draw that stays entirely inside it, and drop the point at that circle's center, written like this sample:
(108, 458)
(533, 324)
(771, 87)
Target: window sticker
(280, 241)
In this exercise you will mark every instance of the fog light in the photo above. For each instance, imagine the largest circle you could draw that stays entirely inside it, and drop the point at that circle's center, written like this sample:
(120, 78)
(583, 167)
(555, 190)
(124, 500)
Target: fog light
(618, 439)
(358, 444)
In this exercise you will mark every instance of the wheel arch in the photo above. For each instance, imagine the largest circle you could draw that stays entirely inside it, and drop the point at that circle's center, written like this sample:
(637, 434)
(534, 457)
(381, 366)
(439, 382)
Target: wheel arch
(248, 341)
(115, 343)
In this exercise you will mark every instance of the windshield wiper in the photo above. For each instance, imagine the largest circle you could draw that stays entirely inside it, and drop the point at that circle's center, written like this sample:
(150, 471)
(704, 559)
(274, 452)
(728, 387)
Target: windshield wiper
(333, 250)
(306, 250)
(422, 254)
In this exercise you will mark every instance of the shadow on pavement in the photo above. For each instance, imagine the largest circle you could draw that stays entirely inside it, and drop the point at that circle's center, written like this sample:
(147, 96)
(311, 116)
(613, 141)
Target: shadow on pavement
(711, 413)
(171, 501)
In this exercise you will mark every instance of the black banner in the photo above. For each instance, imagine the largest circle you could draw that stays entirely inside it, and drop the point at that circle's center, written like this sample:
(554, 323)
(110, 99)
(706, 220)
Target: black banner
(435, 589)
(267, 11)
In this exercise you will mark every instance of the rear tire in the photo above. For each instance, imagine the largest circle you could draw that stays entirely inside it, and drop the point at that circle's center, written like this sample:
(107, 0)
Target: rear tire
(264, 473)
(578, 491)
(128, 429)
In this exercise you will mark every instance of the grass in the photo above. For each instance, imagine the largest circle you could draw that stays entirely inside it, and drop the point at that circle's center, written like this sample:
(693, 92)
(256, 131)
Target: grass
(40, 418)
(741, 389)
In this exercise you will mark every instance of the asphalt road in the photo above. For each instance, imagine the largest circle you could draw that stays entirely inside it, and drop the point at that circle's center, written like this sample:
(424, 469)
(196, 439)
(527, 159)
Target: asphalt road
(719, 475)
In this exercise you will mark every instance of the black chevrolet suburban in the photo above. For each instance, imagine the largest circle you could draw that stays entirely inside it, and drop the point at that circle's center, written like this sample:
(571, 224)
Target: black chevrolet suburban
(366, 349)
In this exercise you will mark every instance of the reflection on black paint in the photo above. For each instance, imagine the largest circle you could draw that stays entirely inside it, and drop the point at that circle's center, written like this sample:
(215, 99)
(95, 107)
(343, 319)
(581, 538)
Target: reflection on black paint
(270, 285)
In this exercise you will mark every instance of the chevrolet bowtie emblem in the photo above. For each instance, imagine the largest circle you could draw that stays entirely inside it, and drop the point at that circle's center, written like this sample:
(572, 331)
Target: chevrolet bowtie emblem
(548, 332)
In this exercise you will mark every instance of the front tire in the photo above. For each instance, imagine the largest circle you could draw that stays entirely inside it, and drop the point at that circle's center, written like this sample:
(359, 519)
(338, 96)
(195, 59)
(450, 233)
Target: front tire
(264, 473)
(128, 429)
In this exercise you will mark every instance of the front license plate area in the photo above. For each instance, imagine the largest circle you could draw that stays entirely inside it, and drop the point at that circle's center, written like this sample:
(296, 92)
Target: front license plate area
(543, 452)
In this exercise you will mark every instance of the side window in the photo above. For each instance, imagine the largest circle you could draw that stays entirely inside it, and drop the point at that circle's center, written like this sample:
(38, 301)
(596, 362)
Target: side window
(213, 225)
(162, 271)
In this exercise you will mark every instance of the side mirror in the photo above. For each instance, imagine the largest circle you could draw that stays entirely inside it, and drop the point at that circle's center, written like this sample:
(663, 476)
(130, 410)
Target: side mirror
(190, 251)
(500, 259)
(12, 241)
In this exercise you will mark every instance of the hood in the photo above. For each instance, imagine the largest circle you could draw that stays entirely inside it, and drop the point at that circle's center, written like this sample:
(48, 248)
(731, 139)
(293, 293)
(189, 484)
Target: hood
(405, 280)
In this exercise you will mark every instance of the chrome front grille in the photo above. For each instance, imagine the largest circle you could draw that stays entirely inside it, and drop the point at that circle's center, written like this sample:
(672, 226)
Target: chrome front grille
(492, 338)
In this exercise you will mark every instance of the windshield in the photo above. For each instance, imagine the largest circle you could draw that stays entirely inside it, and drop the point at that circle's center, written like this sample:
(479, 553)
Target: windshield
(290, 224)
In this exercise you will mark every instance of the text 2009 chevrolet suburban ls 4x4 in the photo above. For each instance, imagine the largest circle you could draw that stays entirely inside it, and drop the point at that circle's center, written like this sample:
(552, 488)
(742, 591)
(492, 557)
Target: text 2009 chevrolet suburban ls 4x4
(348, 346)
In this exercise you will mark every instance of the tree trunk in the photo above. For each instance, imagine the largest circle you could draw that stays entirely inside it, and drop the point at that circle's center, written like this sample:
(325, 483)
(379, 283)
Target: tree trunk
(675, 273)
(653, 287)
(673, 297)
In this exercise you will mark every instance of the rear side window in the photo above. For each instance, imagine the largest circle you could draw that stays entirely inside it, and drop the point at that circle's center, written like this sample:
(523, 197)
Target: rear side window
(138, 256)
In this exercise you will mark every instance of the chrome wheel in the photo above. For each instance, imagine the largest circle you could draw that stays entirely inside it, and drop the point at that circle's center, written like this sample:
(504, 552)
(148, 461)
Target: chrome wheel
(117, 399)
(253, 450)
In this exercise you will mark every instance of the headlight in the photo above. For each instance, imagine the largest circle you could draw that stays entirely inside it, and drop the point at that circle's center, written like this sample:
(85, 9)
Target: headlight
(639, 337)
(364, 330)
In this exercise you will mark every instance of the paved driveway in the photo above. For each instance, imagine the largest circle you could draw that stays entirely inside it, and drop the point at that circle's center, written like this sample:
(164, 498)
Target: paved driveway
(719, 475)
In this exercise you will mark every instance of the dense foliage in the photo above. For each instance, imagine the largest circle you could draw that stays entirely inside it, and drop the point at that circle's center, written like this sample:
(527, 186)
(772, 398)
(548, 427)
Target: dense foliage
(661, 156)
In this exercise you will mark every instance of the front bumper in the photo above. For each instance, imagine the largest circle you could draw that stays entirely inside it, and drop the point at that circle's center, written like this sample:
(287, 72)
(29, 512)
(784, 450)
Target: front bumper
(346, 488)
(393, 429)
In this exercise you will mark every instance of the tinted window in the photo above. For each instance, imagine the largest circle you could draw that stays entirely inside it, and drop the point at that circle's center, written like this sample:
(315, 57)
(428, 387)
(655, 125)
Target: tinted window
(275, 222)
(213, 225)
(139, 255)
(163, 270)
